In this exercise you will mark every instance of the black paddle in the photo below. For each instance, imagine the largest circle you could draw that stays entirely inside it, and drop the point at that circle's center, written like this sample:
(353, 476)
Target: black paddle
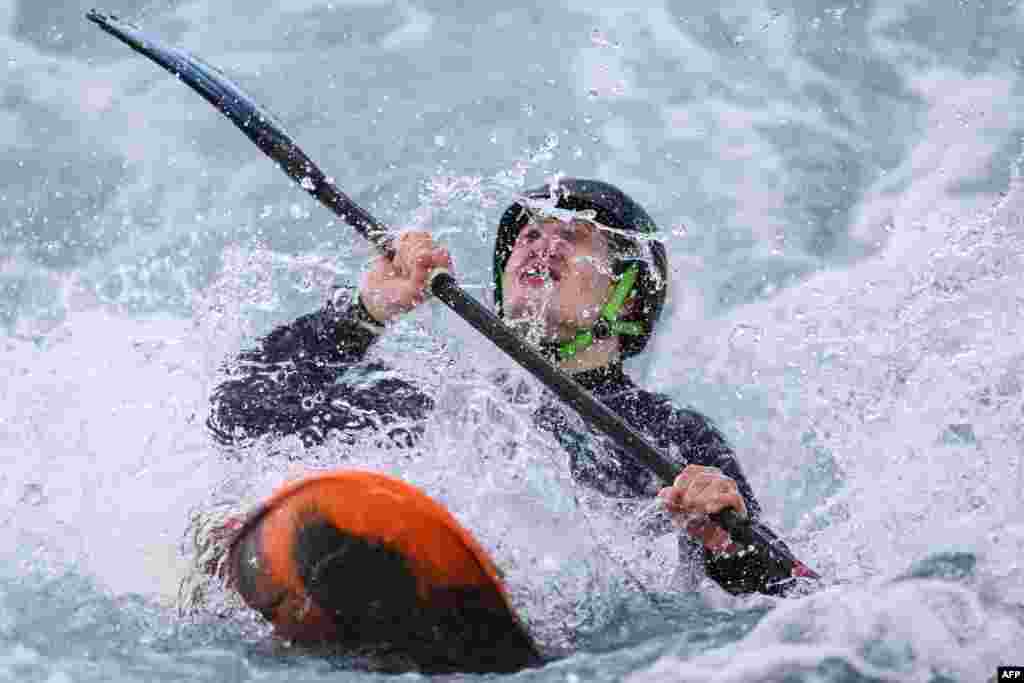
(269, 136)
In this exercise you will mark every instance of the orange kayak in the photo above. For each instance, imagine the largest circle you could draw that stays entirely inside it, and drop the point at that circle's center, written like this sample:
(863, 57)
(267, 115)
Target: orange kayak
(365, 561)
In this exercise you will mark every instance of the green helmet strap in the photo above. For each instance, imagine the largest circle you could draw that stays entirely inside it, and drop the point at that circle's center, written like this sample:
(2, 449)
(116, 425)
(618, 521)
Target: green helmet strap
(608, 324)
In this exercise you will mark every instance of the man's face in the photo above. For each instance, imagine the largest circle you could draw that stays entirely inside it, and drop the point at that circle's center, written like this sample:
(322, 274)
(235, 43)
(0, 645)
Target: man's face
(557, 278)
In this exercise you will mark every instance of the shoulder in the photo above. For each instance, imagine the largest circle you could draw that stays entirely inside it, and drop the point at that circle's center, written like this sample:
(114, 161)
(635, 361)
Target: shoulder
(686, 434)
(660, 413)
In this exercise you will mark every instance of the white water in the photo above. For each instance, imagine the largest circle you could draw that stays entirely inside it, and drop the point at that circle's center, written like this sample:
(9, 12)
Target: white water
(836, 187)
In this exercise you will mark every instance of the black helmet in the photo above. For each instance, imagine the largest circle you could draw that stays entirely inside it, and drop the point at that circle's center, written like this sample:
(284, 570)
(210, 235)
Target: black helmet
(613, 208)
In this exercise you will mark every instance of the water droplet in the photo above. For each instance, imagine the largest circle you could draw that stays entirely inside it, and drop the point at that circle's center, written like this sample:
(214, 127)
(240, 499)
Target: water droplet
(33, 495)
(598, 38)
(308, 184)
(744, 332)
(440, 140)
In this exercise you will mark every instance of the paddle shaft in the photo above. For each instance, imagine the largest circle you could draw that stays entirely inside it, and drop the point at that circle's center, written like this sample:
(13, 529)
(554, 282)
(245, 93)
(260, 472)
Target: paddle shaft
(260, 127)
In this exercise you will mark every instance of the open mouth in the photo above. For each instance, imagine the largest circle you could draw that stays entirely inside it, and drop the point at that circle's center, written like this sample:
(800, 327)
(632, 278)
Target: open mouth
(537, 273)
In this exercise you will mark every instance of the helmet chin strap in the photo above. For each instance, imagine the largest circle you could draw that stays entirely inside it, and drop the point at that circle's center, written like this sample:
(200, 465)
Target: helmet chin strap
(608, 323)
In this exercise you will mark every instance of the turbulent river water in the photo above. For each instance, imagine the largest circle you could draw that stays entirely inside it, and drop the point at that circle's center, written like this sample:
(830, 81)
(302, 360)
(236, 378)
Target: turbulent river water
(839, 189)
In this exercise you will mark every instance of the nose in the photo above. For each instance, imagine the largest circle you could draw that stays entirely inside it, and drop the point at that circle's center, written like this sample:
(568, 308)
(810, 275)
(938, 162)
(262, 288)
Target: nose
(550, 243)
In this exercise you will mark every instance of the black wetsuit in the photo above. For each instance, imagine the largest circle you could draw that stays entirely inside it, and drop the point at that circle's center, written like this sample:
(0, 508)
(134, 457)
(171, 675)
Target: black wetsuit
(311, 378)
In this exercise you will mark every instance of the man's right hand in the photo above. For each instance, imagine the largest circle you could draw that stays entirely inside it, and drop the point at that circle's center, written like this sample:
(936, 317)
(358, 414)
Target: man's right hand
(396, 286)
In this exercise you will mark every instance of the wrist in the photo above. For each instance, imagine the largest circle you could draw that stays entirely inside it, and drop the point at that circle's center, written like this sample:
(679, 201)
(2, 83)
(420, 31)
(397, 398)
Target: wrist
(722, 548)
(349, 312)
(379, 306)
(714, 538)
(364, 316)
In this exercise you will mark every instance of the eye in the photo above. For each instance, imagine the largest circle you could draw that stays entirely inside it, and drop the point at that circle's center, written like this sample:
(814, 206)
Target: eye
(531, 234)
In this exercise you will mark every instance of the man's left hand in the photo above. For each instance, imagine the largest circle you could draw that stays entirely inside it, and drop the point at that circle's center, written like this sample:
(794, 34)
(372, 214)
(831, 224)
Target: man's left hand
(698, 492)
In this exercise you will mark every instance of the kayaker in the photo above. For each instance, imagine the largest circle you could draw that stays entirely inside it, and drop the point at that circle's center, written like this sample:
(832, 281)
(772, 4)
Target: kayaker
(579, 272)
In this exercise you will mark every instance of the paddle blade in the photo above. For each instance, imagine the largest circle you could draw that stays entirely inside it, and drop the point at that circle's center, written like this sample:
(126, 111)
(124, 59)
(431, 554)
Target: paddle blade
(253, 120)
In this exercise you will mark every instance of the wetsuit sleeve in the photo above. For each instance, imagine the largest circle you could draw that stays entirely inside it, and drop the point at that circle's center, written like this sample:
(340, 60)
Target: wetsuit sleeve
(310, 378)
(750, 570)
(695, 440)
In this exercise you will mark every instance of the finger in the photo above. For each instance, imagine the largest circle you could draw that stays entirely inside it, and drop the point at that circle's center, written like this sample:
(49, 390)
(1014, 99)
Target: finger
(427, 263)
(685, 476)
(407, 260)
(409, 246)
(704, 480)
(687, 487)
(672, 497)
(381, 268)
(686, 502)
(690, 472)
(696, 487)
(442, 259)
(720, 496)
(438, 257)
(422, 266)
(413, 237)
